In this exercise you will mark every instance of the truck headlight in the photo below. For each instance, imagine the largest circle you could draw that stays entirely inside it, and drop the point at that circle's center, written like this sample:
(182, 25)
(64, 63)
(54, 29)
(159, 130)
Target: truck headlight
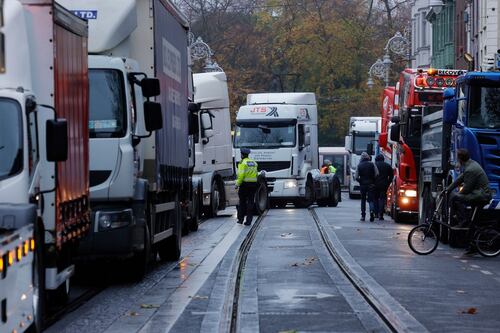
(290, 184)
(410, 193)
(114, 220)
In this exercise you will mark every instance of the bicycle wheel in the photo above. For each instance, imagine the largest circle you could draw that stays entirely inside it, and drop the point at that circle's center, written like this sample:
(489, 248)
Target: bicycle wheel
(422, 239)
(488, 242)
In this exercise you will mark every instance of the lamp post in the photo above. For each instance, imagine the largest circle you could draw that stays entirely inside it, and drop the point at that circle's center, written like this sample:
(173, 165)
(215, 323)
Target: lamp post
(398, 45)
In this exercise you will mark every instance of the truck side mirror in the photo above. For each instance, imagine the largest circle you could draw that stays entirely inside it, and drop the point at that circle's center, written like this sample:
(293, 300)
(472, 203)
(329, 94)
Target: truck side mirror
(206, 121)
(369, 149)
(395, 132)
(56, 139)
(150, 87)
(450, 110)
(153, 118)
(307, 140)
(208, 133)
(348, 139)
(194, 107)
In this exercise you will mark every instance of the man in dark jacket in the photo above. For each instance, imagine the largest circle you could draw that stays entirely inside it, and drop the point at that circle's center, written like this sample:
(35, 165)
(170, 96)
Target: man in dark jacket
(365, 175)
(382, 182)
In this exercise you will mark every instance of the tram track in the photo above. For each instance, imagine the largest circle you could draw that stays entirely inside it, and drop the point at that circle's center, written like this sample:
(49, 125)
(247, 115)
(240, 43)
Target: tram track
(390, 314)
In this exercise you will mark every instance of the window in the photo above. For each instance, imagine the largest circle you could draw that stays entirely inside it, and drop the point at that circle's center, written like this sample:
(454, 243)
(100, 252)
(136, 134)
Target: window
(484, 107)
(461, 101)
(423, 29)
(11, 138)
(265, 135)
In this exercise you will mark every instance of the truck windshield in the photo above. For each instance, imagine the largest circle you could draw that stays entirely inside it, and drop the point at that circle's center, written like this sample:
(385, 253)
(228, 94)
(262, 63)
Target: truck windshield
(11, 138)
(361, 140)
(108, 118)
(264, 136)
(484, 107)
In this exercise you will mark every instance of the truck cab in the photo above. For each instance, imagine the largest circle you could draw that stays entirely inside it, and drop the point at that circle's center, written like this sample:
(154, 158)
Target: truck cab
(363, 137)
(281, 129)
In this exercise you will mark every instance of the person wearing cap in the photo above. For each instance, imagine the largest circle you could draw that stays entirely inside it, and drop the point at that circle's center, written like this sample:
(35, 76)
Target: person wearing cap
(246, 182)
(382, 182)
(366, 173)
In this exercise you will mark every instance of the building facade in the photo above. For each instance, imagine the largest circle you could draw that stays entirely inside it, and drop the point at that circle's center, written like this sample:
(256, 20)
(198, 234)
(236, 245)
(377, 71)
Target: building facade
(421, 34)
(461, 34)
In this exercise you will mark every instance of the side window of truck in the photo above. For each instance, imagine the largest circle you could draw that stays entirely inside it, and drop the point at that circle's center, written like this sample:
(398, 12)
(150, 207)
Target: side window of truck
(301, 135)
(462, 101)
(32, 141)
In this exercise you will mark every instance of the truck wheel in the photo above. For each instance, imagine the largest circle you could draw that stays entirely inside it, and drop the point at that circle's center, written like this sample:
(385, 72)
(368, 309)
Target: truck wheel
(139, 262)
(170, 248)
(308, 197)
(212, 210)
(322, 202)
(194, 220)
(261, 199)
(334, 200)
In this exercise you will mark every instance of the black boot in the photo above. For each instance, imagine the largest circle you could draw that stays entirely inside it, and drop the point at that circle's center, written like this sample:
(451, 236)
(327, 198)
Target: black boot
(372, 217)
(362, 219)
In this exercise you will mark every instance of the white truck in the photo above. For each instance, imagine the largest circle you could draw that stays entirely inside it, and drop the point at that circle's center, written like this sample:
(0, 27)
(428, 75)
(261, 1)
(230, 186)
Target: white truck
(281, 130)
(139, 149)
(213, 146)
(363, 137)
(44, 206)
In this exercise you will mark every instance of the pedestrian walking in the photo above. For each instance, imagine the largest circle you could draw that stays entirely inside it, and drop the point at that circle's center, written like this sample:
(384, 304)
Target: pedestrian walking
(382, 182)
(366, 173)
(247, 186)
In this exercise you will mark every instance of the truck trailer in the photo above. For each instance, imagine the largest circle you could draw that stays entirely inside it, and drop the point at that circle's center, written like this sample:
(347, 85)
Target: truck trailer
(471, 120)
(44, 186)
(140, 87)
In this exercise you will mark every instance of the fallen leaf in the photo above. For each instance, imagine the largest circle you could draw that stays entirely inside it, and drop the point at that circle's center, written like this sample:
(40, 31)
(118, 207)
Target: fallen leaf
(470, 311)
(149, 306)
(461, 291)
(133, 313)
(200, 297)
(295, 265)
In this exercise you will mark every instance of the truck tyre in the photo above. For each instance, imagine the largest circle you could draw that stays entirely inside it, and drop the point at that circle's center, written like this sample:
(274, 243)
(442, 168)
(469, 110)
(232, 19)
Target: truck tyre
(170, 248)
(213, 208)
(38, 280)
(261, 198)
(139, 262)
(334, 201)
(322, 202)
(308, 197)
(195, 215)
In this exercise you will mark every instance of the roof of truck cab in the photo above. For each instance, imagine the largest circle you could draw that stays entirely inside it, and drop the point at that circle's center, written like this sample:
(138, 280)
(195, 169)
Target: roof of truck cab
(303, 98)
(211, 90)
(333, 151)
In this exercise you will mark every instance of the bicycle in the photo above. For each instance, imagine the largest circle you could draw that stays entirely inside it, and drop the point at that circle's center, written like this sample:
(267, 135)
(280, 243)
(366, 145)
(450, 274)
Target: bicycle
(424, 240)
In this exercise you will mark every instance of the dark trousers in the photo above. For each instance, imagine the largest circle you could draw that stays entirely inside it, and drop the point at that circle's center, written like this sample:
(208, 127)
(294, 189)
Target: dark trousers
(381, 200)
(246, 193)
(368, 193)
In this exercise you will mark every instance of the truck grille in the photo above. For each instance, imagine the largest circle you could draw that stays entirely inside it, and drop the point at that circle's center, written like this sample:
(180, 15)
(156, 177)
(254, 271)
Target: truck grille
(273, 166)
(491, 155)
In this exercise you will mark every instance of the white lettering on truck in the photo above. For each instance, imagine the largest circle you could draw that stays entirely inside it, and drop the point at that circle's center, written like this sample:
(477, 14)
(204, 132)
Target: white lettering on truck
(171, 61)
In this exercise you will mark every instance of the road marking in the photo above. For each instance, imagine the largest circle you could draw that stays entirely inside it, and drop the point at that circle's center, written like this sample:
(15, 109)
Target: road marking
(166, 316)
(487, 272)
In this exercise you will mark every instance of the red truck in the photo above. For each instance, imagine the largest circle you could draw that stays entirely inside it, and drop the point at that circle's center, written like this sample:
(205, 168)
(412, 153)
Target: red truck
(401, 132)
(44, 150)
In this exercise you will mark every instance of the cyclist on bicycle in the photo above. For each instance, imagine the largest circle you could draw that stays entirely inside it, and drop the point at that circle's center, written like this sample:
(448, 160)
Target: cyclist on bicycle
(475, 189)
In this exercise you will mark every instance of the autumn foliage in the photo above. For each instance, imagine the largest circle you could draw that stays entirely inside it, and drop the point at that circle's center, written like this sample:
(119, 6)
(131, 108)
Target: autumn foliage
(320, 46)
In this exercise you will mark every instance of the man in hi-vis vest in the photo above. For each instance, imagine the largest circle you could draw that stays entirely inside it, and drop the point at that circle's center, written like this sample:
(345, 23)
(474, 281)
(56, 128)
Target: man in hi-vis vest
(246, 182)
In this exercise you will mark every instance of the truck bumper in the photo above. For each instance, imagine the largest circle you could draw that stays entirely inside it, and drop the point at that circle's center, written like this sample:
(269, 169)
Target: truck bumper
(114, 234)
(285, 188)
(407, 205)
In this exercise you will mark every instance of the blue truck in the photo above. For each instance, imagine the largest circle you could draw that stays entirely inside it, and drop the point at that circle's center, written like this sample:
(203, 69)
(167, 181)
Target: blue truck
(470, 119)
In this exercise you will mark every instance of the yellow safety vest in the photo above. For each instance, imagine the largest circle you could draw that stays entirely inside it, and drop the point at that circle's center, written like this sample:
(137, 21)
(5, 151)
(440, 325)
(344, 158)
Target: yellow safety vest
(332, 169)
(247, 172)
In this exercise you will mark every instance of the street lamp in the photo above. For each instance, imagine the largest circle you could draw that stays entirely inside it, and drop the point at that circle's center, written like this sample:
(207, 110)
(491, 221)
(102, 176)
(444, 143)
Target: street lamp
(398, 45)
(200, 50)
